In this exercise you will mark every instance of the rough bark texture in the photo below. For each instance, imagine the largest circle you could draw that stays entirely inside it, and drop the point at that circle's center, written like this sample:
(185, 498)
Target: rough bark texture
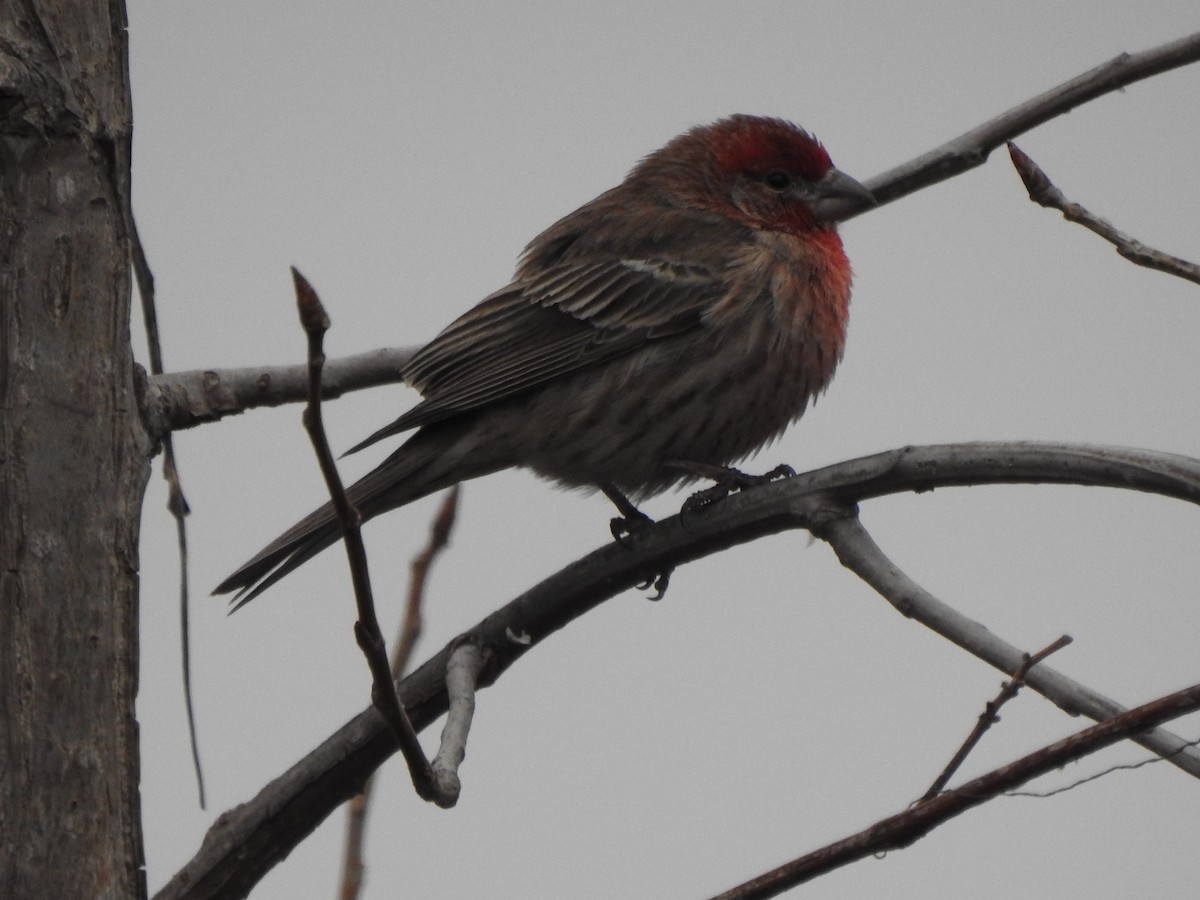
(73, 458)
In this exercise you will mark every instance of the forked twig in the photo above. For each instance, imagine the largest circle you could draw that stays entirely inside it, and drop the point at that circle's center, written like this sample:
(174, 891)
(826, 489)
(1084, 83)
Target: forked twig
(366, 630)
(990, 716)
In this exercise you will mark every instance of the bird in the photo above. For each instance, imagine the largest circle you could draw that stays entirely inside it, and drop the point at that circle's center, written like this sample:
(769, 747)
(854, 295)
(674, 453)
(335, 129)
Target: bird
(661, 332)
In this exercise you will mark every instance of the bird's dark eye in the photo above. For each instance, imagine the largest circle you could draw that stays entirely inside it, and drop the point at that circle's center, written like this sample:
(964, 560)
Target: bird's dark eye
(777, 180)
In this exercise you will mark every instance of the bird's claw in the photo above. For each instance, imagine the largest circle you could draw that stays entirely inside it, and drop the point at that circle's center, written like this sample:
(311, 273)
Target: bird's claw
(659, 581)
(783, 470)
(731, 480)
(630, 523)
(625, 527)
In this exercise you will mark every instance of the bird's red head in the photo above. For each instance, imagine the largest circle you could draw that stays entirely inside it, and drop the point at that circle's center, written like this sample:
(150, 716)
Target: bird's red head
(764, 172)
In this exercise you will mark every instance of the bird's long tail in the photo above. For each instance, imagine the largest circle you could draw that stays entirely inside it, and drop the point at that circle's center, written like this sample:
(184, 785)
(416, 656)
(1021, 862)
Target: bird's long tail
(416, 469)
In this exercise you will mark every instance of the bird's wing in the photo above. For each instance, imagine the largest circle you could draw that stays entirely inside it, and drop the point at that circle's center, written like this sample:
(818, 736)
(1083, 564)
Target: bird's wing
(568, 316)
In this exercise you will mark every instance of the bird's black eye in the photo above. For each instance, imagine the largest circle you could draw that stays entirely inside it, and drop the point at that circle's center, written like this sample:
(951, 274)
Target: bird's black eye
(777, 179)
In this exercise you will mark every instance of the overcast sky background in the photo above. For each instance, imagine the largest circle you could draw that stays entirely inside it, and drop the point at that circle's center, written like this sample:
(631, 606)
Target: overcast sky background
(401, 155)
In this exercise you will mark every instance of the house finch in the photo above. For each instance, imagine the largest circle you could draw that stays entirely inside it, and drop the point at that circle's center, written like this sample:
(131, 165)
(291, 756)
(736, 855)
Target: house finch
(673, 325)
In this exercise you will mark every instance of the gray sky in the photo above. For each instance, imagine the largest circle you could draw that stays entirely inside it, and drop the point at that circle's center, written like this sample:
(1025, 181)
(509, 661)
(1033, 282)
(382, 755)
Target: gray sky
(401, 156)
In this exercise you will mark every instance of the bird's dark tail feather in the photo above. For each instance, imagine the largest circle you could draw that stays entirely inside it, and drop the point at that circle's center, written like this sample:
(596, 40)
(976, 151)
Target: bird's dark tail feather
(404, 476)
(291, 549)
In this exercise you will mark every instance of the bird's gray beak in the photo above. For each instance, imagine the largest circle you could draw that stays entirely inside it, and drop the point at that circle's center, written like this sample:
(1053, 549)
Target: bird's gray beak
(838, 196)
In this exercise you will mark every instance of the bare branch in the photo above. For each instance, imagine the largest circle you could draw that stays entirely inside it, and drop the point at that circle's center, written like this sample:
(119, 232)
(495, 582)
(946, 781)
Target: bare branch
(903, 829)
(181, 400)
(861, 555)
(971, 149)
(1043, 192)
(249, 839)
(462, 672)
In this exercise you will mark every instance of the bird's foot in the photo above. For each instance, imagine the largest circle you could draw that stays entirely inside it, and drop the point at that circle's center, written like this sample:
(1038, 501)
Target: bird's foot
(631, 521)
(726, 481)
(624, 527)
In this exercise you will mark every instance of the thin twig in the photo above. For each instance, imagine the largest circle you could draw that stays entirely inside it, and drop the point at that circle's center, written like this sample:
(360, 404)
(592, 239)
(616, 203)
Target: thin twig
(914, 823)
(439, 539)
(177, 503)
(1121, 767)
(1043, 192)
(990, 714)
(366, 630)
(353, 867)
(179, 510)
(972, 148)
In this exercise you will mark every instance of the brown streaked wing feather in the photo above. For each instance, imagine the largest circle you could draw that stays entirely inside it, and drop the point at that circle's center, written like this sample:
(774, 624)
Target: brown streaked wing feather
(629, 293)
(569, 317)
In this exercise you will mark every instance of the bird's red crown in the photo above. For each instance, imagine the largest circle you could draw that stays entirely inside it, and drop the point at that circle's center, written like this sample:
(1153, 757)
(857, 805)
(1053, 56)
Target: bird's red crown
(757, 144)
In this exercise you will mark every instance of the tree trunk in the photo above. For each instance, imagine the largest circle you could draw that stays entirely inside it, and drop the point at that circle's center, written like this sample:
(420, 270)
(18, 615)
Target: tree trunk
(74, 458)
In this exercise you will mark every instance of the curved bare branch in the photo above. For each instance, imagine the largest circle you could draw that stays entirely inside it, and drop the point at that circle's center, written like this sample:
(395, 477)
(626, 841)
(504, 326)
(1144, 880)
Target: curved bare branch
(248, 840)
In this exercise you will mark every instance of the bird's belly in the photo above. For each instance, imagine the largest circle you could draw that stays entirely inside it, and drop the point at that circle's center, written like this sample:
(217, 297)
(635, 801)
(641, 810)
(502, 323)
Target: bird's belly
(701, 400)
